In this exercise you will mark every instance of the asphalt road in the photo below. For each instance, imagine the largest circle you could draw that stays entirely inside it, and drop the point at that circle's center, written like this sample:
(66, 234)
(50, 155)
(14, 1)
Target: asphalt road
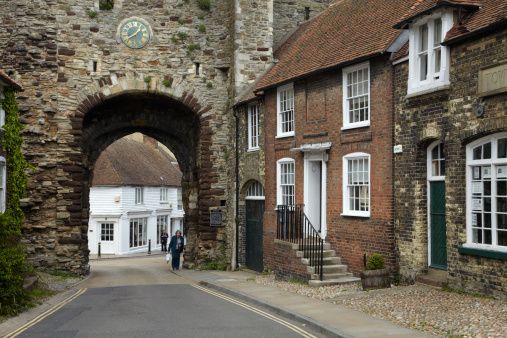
(140, 297)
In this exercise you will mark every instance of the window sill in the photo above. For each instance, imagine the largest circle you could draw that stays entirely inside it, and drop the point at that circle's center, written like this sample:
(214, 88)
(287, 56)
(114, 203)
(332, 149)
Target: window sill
(252, 150)
(354, 214)
(480, 252)
(356, 125)
(427, 89)
(285, 135)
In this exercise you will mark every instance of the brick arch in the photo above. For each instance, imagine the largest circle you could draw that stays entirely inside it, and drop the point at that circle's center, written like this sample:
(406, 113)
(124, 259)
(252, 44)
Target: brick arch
(115, 106)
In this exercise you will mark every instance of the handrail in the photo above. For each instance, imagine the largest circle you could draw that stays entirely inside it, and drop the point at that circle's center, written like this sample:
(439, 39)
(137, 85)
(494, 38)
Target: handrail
(294, 226)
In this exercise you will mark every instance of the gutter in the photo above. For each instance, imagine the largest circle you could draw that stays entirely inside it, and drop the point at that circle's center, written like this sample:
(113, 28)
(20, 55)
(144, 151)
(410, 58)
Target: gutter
(236, 216)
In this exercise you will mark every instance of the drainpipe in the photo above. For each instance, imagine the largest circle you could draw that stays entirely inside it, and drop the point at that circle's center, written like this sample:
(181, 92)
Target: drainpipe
(236, 218)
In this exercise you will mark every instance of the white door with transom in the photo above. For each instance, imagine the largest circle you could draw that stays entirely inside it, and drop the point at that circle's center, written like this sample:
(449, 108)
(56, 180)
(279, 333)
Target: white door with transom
(315, 182)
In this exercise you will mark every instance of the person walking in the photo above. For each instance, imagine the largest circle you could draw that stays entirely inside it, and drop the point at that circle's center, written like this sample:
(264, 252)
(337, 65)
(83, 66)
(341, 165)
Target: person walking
(163, 240)
(176, 247)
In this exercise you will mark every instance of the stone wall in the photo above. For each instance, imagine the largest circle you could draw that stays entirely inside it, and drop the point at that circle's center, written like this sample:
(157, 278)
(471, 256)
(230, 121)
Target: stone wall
(288, 14)
(447, 116)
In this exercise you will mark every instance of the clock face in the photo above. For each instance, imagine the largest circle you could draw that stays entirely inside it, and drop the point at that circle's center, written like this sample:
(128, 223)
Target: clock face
(135, 34)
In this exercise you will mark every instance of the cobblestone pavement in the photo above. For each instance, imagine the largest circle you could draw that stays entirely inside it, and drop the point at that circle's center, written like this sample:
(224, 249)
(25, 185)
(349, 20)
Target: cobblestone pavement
(443, 313)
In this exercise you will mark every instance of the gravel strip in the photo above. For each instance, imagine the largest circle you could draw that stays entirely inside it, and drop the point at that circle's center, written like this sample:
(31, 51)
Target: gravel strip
(421, 307)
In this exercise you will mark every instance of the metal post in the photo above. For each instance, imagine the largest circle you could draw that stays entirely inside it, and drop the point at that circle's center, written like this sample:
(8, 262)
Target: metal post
(98, 251)
(149, 247)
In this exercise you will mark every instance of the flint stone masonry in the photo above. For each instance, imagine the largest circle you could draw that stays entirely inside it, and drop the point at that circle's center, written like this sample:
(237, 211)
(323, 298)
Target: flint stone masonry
(447, 116)
(84, 90)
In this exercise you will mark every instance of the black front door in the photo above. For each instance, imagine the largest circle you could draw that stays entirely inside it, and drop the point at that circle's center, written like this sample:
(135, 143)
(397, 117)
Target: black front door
(254, 214)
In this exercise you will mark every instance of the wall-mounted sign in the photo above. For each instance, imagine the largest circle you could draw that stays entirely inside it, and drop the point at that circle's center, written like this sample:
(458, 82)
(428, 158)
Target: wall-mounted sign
(397, 149)
(493, 80)
(215, 218)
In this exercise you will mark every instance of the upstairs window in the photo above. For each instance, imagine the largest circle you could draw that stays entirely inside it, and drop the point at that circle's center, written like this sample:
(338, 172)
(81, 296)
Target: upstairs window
(356, 96)
(253, 127)
(428, 59)
(139, 196)
(2, 111)
(180, 199)
(487, 193)
(285, 115)
(164, 195)
(106, 5)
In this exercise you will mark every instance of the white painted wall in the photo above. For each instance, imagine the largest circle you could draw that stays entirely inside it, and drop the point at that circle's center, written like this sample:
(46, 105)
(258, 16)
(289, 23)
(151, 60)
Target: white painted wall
(117, 205)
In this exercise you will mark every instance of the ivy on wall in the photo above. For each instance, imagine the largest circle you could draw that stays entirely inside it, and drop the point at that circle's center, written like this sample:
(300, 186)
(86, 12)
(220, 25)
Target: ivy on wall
(13, 265)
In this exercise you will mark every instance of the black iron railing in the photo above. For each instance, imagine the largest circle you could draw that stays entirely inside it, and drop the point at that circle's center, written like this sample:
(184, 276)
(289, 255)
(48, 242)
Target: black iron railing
(294, 226)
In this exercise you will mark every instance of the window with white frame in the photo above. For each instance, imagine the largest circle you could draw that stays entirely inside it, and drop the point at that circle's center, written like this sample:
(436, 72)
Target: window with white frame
(255, 191)
(162, 222)
(487, 193)
(285, 108)
(138, 232)
(164, 195)
(139, 198)
(3, 180)
(253, 127)
(180, 199)
(356, 96)
(107, 232)
(436, 165)
(286, 181)
(428, 58)
(356, 184)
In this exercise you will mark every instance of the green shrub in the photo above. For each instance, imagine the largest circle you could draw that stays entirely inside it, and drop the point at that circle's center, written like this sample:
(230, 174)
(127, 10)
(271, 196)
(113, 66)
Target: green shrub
(147, 79)
(202, 28)
(182, 36)
(91, 13)
(375, 262)
(167, 82)
(205, 5)
(193, 47)
(106, 5)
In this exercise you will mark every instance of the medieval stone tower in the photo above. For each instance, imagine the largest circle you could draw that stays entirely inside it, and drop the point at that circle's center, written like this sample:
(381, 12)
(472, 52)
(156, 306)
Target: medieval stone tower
(87, 84)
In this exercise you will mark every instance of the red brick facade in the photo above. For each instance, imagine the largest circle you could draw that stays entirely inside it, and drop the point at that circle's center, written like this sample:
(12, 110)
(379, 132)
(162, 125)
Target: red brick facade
(318, 119)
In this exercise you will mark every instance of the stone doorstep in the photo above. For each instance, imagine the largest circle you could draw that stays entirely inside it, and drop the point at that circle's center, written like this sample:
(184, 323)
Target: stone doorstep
(434, 277)
(341, 280)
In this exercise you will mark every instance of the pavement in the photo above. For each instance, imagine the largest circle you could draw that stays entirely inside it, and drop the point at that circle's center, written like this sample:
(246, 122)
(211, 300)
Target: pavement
(324, 318)
(331, 320)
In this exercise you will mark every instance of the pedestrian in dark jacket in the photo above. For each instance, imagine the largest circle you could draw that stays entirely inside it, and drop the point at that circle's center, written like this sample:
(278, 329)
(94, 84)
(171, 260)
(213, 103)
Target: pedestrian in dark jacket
(163, 240)
(176, 246)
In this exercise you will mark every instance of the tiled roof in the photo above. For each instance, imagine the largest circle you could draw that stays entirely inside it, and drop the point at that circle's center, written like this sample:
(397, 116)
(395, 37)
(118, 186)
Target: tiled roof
(491, 13)
(350, 30)
(129, 162)
(9, 82)
(421, 7)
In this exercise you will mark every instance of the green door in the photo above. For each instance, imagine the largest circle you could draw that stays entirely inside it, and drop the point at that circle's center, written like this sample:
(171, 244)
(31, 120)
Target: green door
(438, 238)
(254, 214)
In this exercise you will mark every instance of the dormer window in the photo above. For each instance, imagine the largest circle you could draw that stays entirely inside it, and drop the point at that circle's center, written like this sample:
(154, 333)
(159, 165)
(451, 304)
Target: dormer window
(428, 58)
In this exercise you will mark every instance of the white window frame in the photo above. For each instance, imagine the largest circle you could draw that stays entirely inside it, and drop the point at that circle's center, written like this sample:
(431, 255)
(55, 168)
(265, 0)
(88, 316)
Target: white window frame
(279, 163)
(3, 184)
(279, 112)
(179, 194)
(429, 163)
(143, 223)
(138, 195)
(255, 191)
(109, 234)
(253, 127)
(415, 85)
(345, 190)
(164, 195)
(346, 71)
(493, 162)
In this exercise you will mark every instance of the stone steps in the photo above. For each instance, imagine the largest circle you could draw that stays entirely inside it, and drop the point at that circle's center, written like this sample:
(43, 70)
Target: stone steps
(325, 261)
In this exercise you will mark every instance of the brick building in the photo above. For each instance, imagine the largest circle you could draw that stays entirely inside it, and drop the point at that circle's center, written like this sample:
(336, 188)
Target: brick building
(328, 118)
(450, 123)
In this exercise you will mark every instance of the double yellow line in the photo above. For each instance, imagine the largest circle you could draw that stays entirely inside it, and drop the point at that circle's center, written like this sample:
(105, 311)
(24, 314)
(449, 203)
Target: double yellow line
(46, 314)
(257, 311)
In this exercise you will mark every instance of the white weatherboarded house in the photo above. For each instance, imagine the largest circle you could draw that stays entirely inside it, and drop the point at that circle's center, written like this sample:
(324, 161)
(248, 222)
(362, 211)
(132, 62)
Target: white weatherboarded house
(135, 195)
